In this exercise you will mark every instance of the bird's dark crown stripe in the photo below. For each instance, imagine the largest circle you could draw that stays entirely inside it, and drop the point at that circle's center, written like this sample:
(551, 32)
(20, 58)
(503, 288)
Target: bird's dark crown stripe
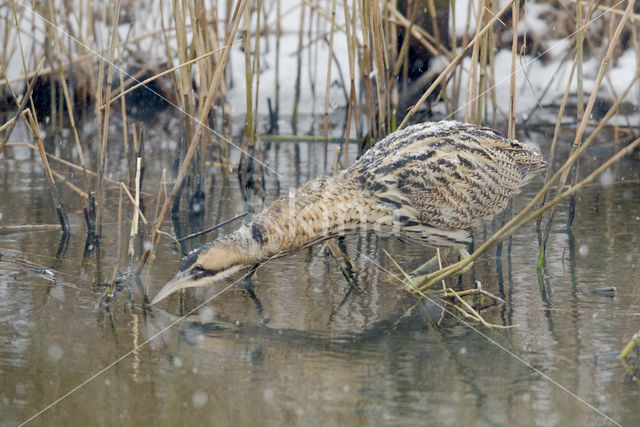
(193, 256)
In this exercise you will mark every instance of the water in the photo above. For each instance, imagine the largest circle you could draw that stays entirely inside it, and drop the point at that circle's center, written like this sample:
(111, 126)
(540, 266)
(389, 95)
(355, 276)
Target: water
(308, 351)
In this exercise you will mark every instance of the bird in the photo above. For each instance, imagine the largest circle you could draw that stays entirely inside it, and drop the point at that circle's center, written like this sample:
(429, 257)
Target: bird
(431, 182)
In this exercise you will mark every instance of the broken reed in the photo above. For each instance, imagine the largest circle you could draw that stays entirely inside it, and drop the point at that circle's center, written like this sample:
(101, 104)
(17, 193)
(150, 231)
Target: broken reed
(200, 77)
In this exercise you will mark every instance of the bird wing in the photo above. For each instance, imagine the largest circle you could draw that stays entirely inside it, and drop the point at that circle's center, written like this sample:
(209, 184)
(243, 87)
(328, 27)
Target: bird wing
(457, 189)
(438, 195)
(440, 180)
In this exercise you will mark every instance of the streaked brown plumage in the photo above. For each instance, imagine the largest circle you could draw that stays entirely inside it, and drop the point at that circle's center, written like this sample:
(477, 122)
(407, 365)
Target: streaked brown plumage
(430, 182)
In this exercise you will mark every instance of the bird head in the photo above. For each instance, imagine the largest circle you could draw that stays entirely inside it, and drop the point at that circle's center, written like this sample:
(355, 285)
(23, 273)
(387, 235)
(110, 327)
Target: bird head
(206, 265)
(527, 156)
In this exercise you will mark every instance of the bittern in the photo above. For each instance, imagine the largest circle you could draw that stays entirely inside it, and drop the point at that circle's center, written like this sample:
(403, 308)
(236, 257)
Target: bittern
(431, 182)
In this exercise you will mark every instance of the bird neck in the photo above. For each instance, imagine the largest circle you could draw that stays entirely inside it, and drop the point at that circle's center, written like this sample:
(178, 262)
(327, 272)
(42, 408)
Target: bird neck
(322, 208)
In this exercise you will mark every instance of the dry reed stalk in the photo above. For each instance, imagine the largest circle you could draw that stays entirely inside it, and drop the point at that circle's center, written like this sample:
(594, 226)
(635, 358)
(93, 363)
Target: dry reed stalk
(389, 28)
(8, 124)
(366, 71)
(34, 128)
(635, 17)
(322, 13)
(123, 113)
(98, 91)
(511, 126)
(128, 153)
(210, 229)
(256, 70)
(199, 46)
(136, 213)
(470, 105)
(351, 57)
(201, 40)
(105, 122)
(402, 56)
(580, 101)
(466, 310)
(474, 313)
(122, 92)
(482, 77)
(492, 76)
(21, 105)
(336, 161)
(118, 254)
(277, 65)
(135, 200)
(550, 162)
(475, 291)
(65, 89)
(452, 100)
(226, 119)
(452, 65)
(431, 7)
(636, 49)
(391, 89)
(328, 84)
(580, 28)
(558, 124)
(296, 95)
(381, 63)
(161, 191)
(459, 71)
(400, 59)
(248, 72)
(203, 114)
(420, 34)
(132, 155)
(19, 38)
(39, 8)
(169, 56)
(185, 95)
(313, 52)
(89, 210)
(73, 187)
(352, 109)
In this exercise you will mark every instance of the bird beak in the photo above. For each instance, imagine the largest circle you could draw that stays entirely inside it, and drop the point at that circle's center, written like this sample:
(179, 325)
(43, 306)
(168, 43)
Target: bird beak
(180, 281)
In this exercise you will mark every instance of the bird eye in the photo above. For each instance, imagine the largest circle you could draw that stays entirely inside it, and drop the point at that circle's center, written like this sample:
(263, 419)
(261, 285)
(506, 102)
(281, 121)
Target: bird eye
(197, 267)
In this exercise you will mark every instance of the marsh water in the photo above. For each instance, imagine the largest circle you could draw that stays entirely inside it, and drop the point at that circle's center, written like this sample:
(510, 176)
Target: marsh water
(308, 350)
